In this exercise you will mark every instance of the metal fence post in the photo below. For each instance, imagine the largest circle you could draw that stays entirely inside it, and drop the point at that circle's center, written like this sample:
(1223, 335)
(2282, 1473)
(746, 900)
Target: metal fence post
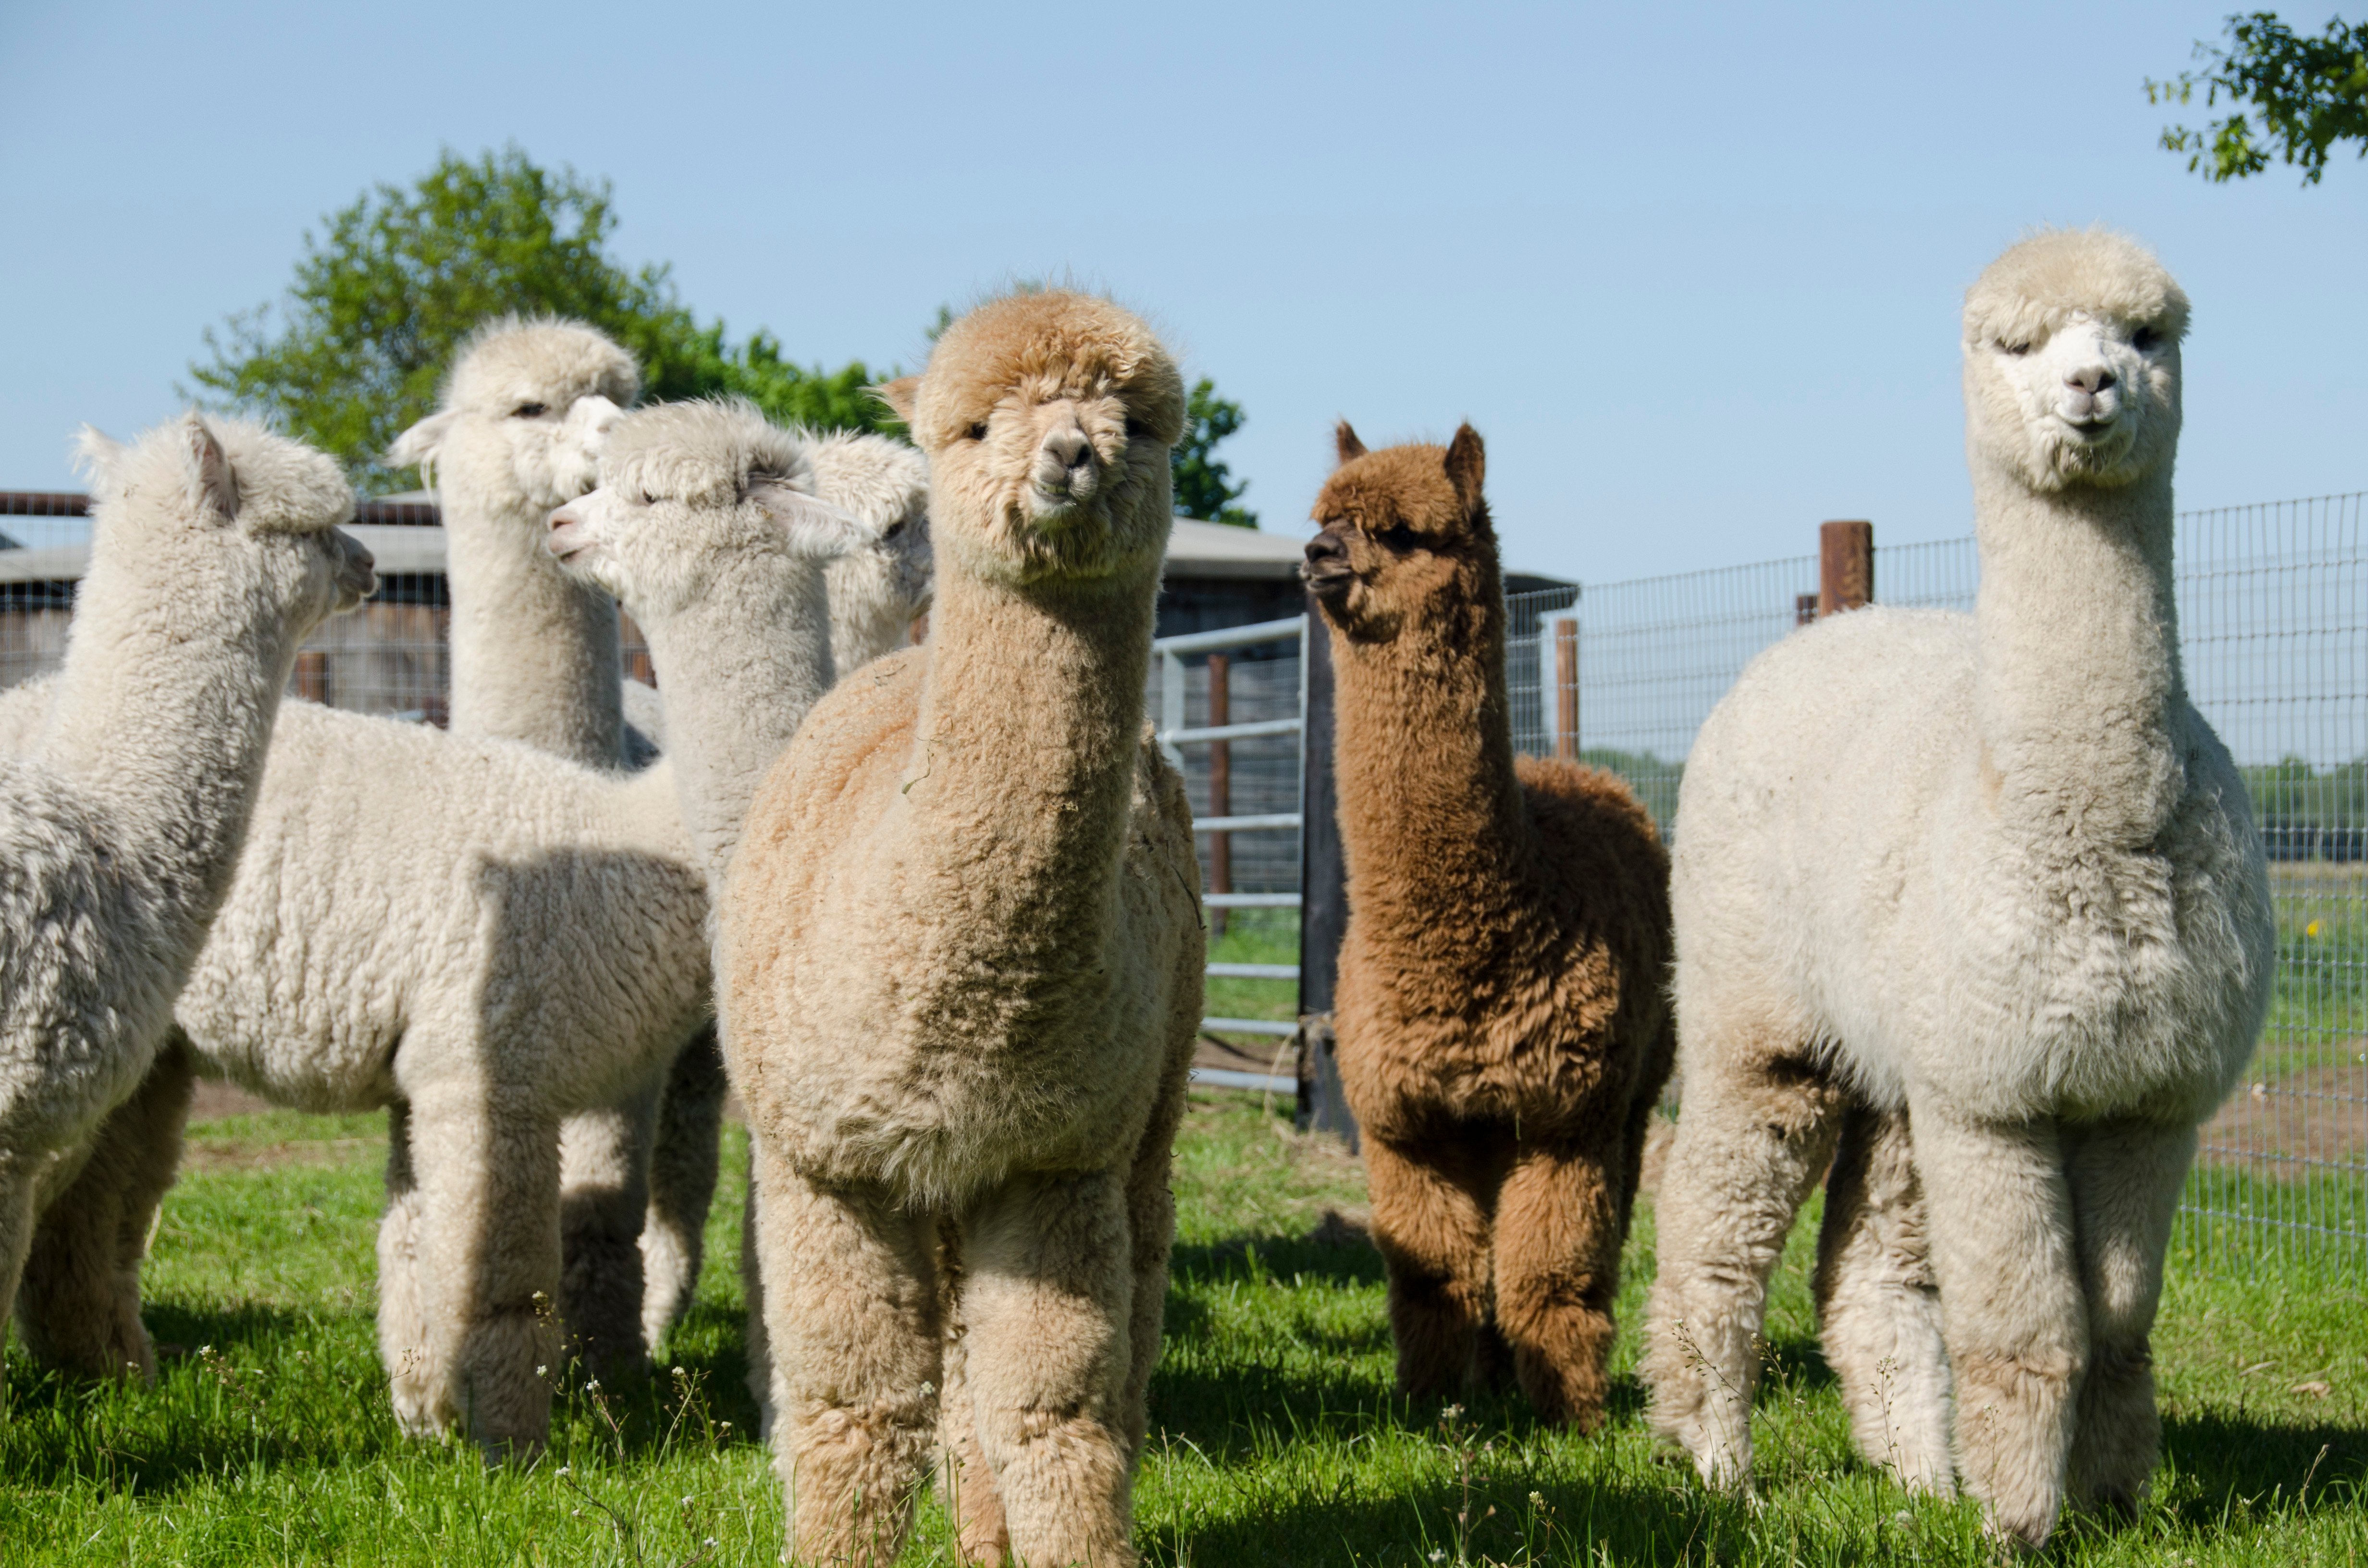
(1567, 689)
(1845, 566)
(1220, 784)
(1324, 896)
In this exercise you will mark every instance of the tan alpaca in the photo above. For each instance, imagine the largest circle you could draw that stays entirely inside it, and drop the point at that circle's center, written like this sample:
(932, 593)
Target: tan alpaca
(960, 959)
(1503, 1035)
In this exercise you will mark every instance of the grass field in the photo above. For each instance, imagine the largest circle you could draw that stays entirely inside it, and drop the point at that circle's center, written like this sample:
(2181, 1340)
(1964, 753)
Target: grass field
(1276, 1437)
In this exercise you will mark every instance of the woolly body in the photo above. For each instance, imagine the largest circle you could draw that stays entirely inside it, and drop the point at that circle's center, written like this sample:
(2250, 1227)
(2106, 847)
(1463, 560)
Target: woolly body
(213, 552)
(1502, 1033)
(2016, 918)
(960, 960)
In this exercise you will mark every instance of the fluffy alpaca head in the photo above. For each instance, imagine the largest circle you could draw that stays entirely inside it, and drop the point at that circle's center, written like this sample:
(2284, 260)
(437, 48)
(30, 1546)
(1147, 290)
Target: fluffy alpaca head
(1047, 419)
(685, 489)
(1403, 535)
(198, 493)
(875, 592)
(2072, 363)
(525, 409)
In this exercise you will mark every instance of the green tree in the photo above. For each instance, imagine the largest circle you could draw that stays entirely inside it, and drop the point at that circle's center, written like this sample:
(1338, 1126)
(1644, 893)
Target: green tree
(2294, 96)
(1204, 485)
(356, 351)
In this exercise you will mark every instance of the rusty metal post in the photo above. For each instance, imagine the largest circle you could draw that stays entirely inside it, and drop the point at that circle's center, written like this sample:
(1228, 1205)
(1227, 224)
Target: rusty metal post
(1220, 784)
(1845, 566)
(1804, 608)
(1567, 689)
(312, 675)
(1323, 897)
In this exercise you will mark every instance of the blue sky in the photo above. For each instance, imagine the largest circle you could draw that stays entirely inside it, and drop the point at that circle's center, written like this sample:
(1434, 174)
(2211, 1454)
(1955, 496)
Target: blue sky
(1694, 271)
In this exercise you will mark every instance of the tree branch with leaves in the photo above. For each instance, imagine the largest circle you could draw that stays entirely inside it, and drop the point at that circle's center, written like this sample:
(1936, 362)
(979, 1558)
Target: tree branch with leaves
(2294, 96)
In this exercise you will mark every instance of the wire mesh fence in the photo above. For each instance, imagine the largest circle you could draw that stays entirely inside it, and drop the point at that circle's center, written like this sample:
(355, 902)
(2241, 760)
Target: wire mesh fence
(2273, 607)
(2274, 633)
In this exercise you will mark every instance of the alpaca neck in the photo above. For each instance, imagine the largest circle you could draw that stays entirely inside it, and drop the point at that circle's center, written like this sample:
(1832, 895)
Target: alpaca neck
(1430, 810)
(162, 715)
(742, 665)
(1022, 772)
(535, 656)
(2078, 681)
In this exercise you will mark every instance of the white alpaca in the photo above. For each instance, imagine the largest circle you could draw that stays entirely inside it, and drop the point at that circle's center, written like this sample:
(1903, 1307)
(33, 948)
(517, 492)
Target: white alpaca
(215, 551)
(502, 939)
(1995, 875)
(535, 655)
(536, 658)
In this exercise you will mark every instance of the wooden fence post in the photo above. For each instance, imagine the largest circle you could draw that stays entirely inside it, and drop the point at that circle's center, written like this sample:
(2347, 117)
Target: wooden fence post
(1220, 784)
(1567, 689)
(1323, 898)
(312, 675)
(1845, 566)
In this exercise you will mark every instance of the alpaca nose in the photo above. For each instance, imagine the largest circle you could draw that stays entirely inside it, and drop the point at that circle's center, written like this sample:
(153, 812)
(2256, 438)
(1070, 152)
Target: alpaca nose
(2089, 379)
(1069, 448)
(1325, 548)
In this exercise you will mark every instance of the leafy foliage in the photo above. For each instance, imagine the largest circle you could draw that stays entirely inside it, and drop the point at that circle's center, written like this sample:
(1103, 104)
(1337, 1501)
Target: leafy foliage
(2297, 96)
(380, 301)
(1204, 485)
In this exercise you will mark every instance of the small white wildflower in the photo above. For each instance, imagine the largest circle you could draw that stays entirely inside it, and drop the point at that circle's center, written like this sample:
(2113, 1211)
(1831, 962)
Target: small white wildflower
(592, 1387)
(543, 1371)
(710, 1542)
(1439, 1555)
(686, 1501)
(205, 1349)
(928, 1389)
(562, 1470)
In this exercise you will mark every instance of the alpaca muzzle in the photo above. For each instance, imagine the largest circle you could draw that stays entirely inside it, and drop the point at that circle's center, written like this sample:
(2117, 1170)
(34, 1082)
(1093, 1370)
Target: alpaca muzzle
(1327, 571)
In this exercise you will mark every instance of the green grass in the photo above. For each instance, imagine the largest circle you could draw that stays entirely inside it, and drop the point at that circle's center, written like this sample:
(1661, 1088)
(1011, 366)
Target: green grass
(1253, 936)
(1276, 1437)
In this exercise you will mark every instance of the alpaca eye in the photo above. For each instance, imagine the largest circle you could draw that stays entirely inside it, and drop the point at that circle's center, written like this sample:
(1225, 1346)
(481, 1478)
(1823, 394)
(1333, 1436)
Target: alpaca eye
(648, 499)
(977, 432)
(2146, 340)
(530, 411)
(1400, 539)
(893, 529)
(2017, 349)
(1137, 429)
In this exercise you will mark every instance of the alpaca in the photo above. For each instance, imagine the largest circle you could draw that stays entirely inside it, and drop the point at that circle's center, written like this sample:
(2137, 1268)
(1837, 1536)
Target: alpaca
(875, 596)
(505, 938)
(536, 657)
(1502, 1033)
(214, 552)
(959, 971)
(2015, 921)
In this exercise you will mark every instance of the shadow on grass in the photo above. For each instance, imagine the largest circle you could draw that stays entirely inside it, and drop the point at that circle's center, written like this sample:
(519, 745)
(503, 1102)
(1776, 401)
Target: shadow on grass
(2223, 1463)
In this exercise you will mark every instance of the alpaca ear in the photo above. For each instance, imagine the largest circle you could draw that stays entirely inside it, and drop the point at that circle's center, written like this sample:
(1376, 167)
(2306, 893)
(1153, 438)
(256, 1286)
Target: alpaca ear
(417, 448)
(815, 526)
(95, 453)
(1344, 441)
(213, 487)
(1467, 464)
(902, 396)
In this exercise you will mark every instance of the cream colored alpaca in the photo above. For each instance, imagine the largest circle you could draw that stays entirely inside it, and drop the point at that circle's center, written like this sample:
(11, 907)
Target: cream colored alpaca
(215, 551)
(2018, 900)
(960, 974)
(536, 657)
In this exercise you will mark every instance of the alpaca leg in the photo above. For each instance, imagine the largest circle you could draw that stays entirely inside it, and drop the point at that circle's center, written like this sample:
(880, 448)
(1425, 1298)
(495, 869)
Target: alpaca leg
(488, 1257)
(1557, 1239)
(2125, 1181)
(1878, 1306)
(2010, 1306)
(851, 1311)
(1151, 1234)
(684, 1162)
(1431, 1221)
(427, 1403)
(1756, 1131)
(967, 1480)
(1048, 1302)
(764, 1382)
(19, 1199)
(603, 1195)
(78, 1306)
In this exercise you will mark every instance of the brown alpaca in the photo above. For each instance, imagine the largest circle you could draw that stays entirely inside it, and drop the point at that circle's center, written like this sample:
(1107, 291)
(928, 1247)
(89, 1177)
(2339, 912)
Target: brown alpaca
(1503, 1033)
